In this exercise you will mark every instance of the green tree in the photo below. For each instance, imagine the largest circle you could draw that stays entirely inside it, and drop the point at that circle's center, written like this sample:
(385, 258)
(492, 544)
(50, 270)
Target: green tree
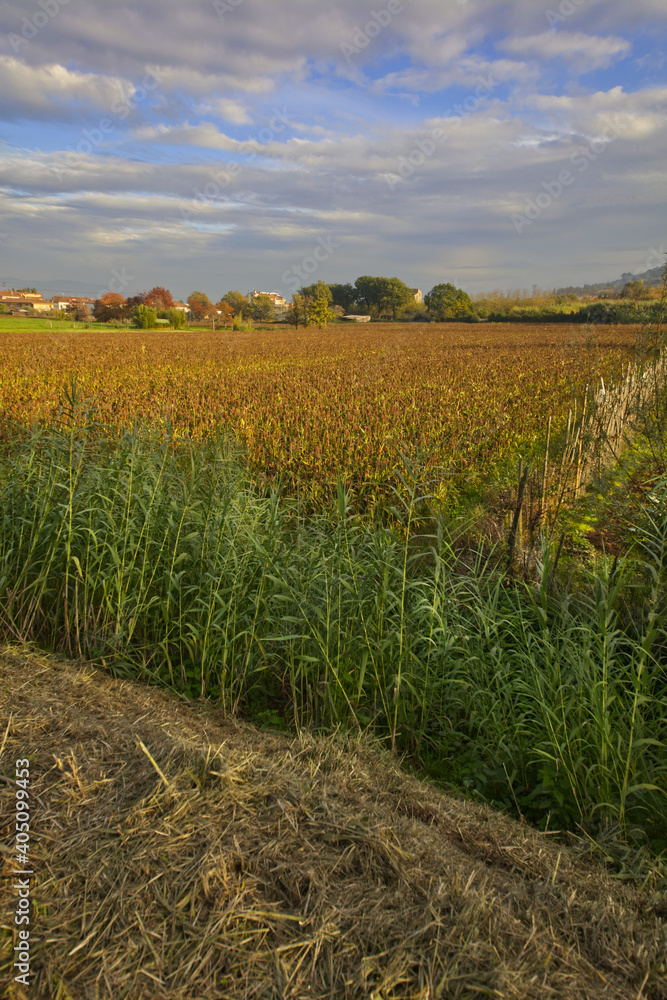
(263, 310)
(317, 288)
(238, 302)
(396, 296)
(448, 302)
(298, 313)
(320, 308)
(634, 290)
(200, 305)
(383, 296)
(368, 293)
(343, 295)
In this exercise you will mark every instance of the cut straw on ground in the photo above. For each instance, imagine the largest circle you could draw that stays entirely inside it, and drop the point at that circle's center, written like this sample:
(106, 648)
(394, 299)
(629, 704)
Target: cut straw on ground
(184, 855)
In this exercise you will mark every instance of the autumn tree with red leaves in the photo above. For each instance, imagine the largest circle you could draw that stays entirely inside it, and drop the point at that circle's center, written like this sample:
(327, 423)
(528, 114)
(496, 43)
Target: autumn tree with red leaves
(111, 306)
(226, 312)
(200, 305)
(159, 298)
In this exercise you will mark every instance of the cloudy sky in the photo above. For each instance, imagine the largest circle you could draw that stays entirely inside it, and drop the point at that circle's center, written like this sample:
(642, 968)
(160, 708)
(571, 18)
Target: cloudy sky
(217, 144)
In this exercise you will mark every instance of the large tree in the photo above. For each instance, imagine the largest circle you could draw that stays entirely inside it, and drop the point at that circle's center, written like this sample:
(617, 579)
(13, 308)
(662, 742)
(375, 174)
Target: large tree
(159, 298)
(226, 312)
(448, 302)
(110, 306)
(133, 302)
(320, 307)
(77, 310)
(635, 290)
(238, 302)
(317, 288)
(200, 305)
(262, 309)
(298, 313)
(383, 296)
(344, 296)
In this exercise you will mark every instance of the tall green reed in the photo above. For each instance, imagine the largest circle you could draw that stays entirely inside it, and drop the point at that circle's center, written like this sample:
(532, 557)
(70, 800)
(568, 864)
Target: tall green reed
(166, 562)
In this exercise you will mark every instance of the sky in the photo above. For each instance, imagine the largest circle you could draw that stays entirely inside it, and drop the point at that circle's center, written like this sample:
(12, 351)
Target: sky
(248, 144)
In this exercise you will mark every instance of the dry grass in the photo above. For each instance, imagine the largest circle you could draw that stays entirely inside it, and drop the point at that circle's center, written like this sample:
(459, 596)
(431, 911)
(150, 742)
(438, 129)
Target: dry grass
(183, 855)
(314, 405)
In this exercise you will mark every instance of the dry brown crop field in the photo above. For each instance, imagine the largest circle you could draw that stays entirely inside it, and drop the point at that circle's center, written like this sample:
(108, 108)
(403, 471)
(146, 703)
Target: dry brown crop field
(314, 405)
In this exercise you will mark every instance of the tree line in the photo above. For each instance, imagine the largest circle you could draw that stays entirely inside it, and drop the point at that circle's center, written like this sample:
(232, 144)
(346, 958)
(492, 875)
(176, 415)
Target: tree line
(389, 298)
(146, 308)
(312, 305)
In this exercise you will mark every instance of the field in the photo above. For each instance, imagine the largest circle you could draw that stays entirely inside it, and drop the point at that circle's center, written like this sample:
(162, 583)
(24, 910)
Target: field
(30, 324)
(315, 406)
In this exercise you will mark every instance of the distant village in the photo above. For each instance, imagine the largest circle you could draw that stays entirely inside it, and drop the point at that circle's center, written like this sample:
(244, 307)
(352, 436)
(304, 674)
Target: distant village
(23, 303)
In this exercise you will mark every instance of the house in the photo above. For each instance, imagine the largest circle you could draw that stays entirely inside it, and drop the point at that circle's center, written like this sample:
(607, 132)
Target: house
(16, 300)
(61, 303)
(34, 302)
(182, 307)
(279, 303)
(16, 303)
(417, 293)
(33, 296)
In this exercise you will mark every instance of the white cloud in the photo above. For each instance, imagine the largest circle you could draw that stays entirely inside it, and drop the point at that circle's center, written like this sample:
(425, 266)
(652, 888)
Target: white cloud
(589, 52)
(642, 113)
(225, 108)
(39, 91)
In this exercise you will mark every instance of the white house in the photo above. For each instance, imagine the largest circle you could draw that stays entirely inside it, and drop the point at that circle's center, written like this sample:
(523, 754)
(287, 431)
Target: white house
(278, 301)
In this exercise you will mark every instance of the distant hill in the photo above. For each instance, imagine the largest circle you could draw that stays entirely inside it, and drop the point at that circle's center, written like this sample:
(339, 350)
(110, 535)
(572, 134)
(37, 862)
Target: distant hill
(652, 278)
(52, 286)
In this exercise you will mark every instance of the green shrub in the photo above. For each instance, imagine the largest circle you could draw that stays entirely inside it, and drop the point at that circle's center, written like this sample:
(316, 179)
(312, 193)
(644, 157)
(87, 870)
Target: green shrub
(176, 317)
(598, 312)
(240, 324)
(144, 317)
(626, 312)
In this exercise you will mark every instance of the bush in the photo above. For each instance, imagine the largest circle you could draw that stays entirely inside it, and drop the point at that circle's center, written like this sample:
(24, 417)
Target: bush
(176, 317)
(239, 324)
(599, 312)
(145, 318)
(603, 312)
